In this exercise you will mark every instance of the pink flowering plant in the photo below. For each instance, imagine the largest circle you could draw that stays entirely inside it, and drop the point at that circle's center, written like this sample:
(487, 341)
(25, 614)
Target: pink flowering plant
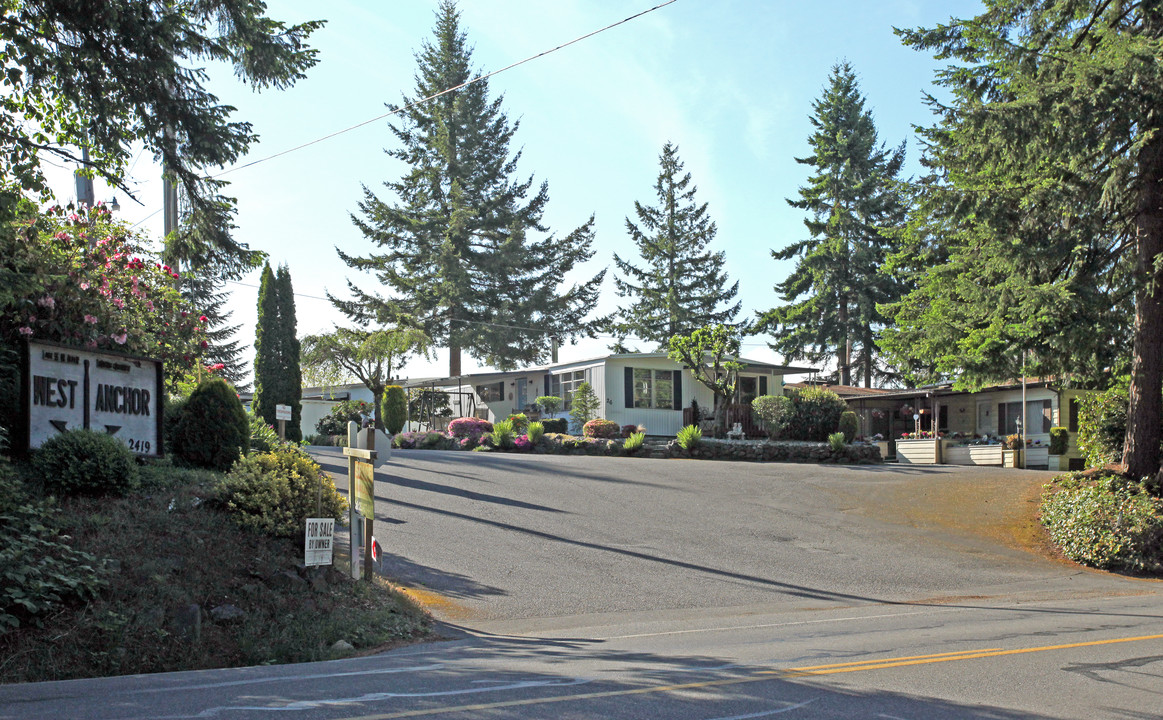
(81, 278)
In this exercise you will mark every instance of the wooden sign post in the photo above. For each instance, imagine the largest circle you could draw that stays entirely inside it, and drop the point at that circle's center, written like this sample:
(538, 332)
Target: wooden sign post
(361, 494)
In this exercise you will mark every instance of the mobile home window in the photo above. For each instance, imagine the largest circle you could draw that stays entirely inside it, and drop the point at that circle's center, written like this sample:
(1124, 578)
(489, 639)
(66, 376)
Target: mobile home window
(568, 383)
(653, 388)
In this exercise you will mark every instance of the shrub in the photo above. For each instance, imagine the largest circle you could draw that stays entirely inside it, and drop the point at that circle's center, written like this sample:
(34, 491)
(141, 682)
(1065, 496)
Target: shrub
(213, 429)
(634, 442)
(628, 430)
(837, 441)
(520, 423)
(849, 425)
(689, 437)
(39, 570)
(502, 434)
(171, 416)
(263, 437)
(550, 403)
(275, 492)
(1107, 522)
(394, 409)
(85, 462)
(817, 414)
(335, 421)
(535, 431)
(599, 428)
(469, 427)
(1059, 439)
(775, 411)
(1102, 425)
(556, 425)
(584, 406)
(1013, 442)
(428, 440)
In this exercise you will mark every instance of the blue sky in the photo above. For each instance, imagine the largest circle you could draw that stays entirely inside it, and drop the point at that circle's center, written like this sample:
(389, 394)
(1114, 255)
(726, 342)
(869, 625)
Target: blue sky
(731, 82)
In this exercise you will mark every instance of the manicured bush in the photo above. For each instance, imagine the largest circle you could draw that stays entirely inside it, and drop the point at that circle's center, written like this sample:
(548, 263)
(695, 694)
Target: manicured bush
(837, 441)
(849, 425)
(550, 404)
(817, 414)
(502, 434)
(1102, 426)
(520, 422)
(85, 462)
(1059, 440)
(599, 428)
(469, 427)
(634, 442)
(263, 437)
(775, 411)
(394, 409)
(556, 425)
(171, 415)
(535, 432)
(213, 429)
(335, 421)
(430, 440)
(39, 570)
(275, 492)
(1105, 522)
(584, 406)
(689, 437)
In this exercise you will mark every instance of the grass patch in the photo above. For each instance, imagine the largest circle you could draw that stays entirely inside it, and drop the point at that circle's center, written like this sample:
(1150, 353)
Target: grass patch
(1102, 519)
(168, 546)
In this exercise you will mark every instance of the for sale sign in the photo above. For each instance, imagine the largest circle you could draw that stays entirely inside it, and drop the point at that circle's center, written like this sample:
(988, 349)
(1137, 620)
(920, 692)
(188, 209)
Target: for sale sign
(319, 542)
(67, 388)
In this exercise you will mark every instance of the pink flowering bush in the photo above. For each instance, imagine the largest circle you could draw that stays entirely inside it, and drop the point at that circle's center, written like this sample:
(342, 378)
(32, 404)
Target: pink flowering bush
(469, 427)
(521, 443)
(84, 279)
(599, 428)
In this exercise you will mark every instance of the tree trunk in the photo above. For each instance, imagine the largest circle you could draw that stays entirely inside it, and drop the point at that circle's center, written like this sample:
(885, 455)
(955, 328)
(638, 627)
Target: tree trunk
(846, 351)
(453, 360)
(1141, 449)
(378, 399)
(720, 417)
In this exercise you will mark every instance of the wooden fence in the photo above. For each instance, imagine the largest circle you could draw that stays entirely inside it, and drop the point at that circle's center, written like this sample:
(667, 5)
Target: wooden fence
(736, 413)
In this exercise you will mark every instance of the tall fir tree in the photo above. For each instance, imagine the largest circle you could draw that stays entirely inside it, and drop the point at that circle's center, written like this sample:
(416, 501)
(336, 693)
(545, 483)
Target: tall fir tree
(683, 285)
(853, 202)
(1048, 192)
(457, 255)
(277, 376)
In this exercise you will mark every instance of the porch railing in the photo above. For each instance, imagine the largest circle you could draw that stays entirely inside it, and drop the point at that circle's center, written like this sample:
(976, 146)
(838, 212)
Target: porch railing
(736, 413)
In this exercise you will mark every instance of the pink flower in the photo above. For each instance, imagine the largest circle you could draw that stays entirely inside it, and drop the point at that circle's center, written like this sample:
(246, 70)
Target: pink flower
(84, 286)
(62, 235)
(47, 302)
(119, 302)
(91, 319)
(202, 318)
(120, 338)
(74, 217)
(26, 331)
(204, 344)
(149, 305)
(31, 319)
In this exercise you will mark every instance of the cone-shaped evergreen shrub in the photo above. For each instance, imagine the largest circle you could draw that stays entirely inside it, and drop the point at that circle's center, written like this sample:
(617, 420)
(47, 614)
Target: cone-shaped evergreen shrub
(849, 425)
(394, 409)
(213, 429)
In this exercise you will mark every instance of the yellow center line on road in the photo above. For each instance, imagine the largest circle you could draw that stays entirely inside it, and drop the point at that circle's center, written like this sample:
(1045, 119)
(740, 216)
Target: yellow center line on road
(761, 676)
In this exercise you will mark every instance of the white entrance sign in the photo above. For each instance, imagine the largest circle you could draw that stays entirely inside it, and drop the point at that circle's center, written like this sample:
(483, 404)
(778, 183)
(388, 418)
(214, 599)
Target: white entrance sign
(317, 548)
(282, 412)
(67, 388)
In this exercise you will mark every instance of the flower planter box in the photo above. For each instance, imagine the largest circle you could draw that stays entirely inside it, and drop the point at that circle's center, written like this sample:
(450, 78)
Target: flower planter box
(973, 455)
(885, 449)
(918, 452)
(1038, 457)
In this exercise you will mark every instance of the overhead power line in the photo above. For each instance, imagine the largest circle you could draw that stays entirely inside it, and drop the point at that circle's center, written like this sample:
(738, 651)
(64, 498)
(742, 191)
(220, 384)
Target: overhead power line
(442, 92)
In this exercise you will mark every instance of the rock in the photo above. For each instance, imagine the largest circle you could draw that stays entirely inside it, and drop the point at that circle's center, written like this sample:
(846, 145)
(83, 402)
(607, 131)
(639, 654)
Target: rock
(227, 614)
(318, 581)
(187, 622)
(342, 647)
(287, 580)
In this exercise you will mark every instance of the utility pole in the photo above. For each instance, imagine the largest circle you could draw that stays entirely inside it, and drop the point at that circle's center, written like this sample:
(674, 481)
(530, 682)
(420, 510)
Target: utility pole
(84, 181)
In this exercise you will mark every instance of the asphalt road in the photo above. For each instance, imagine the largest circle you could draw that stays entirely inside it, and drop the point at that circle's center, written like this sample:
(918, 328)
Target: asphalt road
(627, 588)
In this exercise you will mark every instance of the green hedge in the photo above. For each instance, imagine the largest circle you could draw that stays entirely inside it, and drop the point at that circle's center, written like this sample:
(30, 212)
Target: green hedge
(275, 492)
(1105, 522)
(85, 462)
(213, 429)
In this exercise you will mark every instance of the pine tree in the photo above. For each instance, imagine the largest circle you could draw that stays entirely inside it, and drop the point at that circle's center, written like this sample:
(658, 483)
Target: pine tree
(456, 252)
(852, 200)
(683, 285)
(1054, 134)
(277, 377)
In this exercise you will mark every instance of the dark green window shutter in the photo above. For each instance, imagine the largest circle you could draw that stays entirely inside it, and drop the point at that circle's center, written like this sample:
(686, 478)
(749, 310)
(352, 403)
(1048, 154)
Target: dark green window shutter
(678, 389)
(629, 387)
(762, 385)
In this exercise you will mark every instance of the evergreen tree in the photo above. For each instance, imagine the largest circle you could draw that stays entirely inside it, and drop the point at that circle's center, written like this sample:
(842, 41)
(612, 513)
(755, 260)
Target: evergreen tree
(683, 286)
(277, 377)
(456, 252)
(1049, 185)
(852, 200)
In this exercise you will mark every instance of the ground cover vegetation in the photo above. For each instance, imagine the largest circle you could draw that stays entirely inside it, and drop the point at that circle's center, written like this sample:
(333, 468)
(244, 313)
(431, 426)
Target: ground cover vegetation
(682, 284)
(115, 561)
(462, 247)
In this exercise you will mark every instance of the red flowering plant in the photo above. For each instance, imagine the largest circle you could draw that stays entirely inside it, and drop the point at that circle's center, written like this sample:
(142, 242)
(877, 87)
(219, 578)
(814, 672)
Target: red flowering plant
(81, 278)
